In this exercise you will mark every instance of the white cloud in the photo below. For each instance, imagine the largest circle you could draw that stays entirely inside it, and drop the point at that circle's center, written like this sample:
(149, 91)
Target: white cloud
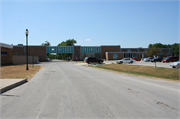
(79, 40)
(88, 39)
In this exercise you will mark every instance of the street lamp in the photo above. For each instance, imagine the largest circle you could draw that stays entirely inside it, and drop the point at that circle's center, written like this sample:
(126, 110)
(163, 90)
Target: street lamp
(27, 32)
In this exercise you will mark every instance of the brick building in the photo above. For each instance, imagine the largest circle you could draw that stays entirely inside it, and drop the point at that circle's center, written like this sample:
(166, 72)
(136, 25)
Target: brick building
(113, 52)
(40, 51)
(6, 54)
(110, 52)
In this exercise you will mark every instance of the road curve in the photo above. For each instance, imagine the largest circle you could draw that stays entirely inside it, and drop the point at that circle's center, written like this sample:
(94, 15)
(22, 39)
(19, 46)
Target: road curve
(63, 90)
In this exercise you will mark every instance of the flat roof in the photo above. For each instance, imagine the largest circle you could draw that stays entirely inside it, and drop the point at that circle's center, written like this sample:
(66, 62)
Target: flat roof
(6, 45)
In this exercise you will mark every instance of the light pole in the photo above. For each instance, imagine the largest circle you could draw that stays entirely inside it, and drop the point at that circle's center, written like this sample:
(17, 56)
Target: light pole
(27, 32)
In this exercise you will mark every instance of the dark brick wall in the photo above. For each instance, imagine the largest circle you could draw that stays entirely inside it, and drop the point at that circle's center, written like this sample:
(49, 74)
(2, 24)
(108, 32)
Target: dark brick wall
(17, 50)
(141, 50)
(77, 53)
(39, 51)
(133, 50)
(98, 55)
(7, 59)
(110, 56)
(105, 49)
(120, 56)
(124, 50)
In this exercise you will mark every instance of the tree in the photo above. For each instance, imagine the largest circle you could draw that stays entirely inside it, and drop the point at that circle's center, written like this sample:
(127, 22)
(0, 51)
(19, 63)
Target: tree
(150, 46)
(46, 43)
(174, 46)
(69, 42)
(153, 51)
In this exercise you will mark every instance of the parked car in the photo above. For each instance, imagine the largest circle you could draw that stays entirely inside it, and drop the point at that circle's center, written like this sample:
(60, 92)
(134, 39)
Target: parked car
(68, 58)
(144, 59)
(125, 60)
(170, 59)
(175, 64)
(90, 60)
(148, 59)
(137, 59)
(48, 59)
(159, 59)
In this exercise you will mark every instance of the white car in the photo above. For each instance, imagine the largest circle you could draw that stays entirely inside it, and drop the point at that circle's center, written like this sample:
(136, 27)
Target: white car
(175, 64)
(148, 59)
(125, 60)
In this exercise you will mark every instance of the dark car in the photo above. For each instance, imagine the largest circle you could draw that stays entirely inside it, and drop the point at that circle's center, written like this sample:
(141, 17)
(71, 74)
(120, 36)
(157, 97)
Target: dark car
(90, 60)
(159, 59)
(170, 59)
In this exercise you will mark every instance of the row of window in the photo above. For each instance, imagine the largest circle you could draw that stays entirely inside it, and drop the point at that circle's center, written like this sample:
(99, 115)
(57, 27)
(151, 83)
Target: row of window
(3, 53)
(60, 49)
(90, 49)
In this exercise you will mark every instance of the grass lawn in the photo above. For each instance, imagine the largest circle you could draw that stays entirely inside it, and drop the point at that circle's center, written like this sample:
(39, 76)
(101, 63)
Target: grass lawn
(18, 71)
(158, 72)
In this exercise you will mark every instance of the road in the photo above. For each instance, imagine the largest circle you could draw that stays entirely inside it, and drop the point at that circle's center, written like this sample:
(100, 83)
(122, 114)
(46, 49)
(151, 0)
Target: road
(63, 90)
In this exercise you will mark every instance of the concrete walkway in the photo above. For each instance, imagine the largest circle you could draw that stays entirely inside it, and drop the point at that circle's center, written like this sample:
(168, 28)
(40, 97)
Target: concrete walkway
(7, 84)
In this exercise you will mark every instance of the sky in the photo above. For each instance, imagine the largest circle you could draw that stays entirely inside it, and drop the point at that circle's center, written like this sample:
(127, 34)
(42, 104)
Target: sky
(130, 23)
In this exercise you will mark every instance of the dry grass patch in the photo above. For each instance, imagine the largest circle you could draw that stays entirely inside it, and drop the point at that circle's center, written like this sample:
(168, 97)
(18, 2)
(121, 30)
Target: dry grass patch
(18, 71)
(144, 70)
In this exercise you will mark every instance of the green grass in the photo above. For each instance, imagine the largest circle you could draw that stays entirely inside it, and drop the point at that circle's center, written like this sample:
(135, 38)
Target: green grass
(157, 72)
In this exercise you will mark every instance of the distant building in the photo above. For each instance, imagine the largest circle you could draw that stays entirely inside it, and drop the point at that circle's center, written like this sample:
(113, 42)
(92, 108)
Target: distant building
(107, 52)
(40, 51)
(6, 54)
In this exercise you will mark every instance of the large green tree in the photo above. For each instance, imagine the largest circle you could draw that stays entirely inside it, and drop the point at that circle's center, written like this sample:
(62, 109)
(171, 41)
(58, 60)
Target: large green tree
(69, 42)
(153, 51)
(175, 47)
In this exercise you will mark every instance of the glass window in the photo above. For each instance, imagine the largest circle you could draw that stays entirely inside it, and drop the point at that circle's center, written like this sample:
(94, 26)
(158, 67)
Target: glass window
(3, 53)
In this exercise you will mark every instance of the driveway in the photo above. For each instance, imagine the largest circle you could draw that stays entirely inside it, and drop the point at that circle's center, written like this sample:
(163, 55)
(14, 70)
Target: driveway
(62, 90)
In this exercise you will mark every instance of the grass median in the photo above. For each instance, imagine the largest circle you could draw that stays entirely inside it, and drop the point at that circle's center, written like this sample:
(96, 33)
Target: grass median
(18, 71)
(158, 72)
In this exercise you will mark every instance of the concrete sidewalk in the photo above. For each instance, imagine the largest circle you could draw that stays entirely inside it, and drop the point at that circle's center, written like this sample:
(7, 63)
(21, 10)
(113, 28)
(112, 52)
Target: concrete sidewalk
(7, 84)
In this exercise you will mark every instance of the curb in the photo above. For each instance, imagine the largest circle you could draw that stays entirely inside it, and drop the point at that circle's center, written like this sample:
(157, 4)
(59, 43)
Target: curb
(13, 86)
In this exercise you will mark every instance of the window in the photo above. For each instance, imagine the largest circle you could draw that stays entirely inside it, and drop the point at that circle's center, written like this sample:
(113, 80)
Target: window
(3, 53)
(96, 48)
(84, 49)
(90, 48)
(52, 49)
(66, 48)
(59, 48)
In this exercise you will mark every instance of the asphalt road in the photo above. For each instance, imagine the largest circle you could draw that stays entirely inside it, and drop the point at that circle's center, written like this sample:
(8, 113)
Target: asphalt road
(63, 90)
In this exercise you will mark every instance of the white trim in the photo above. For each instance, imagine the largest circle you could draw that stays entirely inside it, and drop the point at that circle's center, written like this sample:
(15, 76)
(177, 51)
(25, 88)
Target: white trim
(6, 45)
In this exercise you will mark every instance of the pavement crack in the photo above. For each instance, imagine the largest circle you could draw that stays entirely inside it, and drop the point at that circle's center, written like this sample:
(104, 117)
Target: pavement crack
(160, 103)
(133, 91)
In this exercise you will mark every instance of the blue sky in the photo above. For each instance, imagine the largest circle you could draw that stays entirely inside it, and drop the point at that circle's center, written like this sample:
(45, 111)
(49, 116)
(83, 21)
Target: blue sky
(131, 23)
